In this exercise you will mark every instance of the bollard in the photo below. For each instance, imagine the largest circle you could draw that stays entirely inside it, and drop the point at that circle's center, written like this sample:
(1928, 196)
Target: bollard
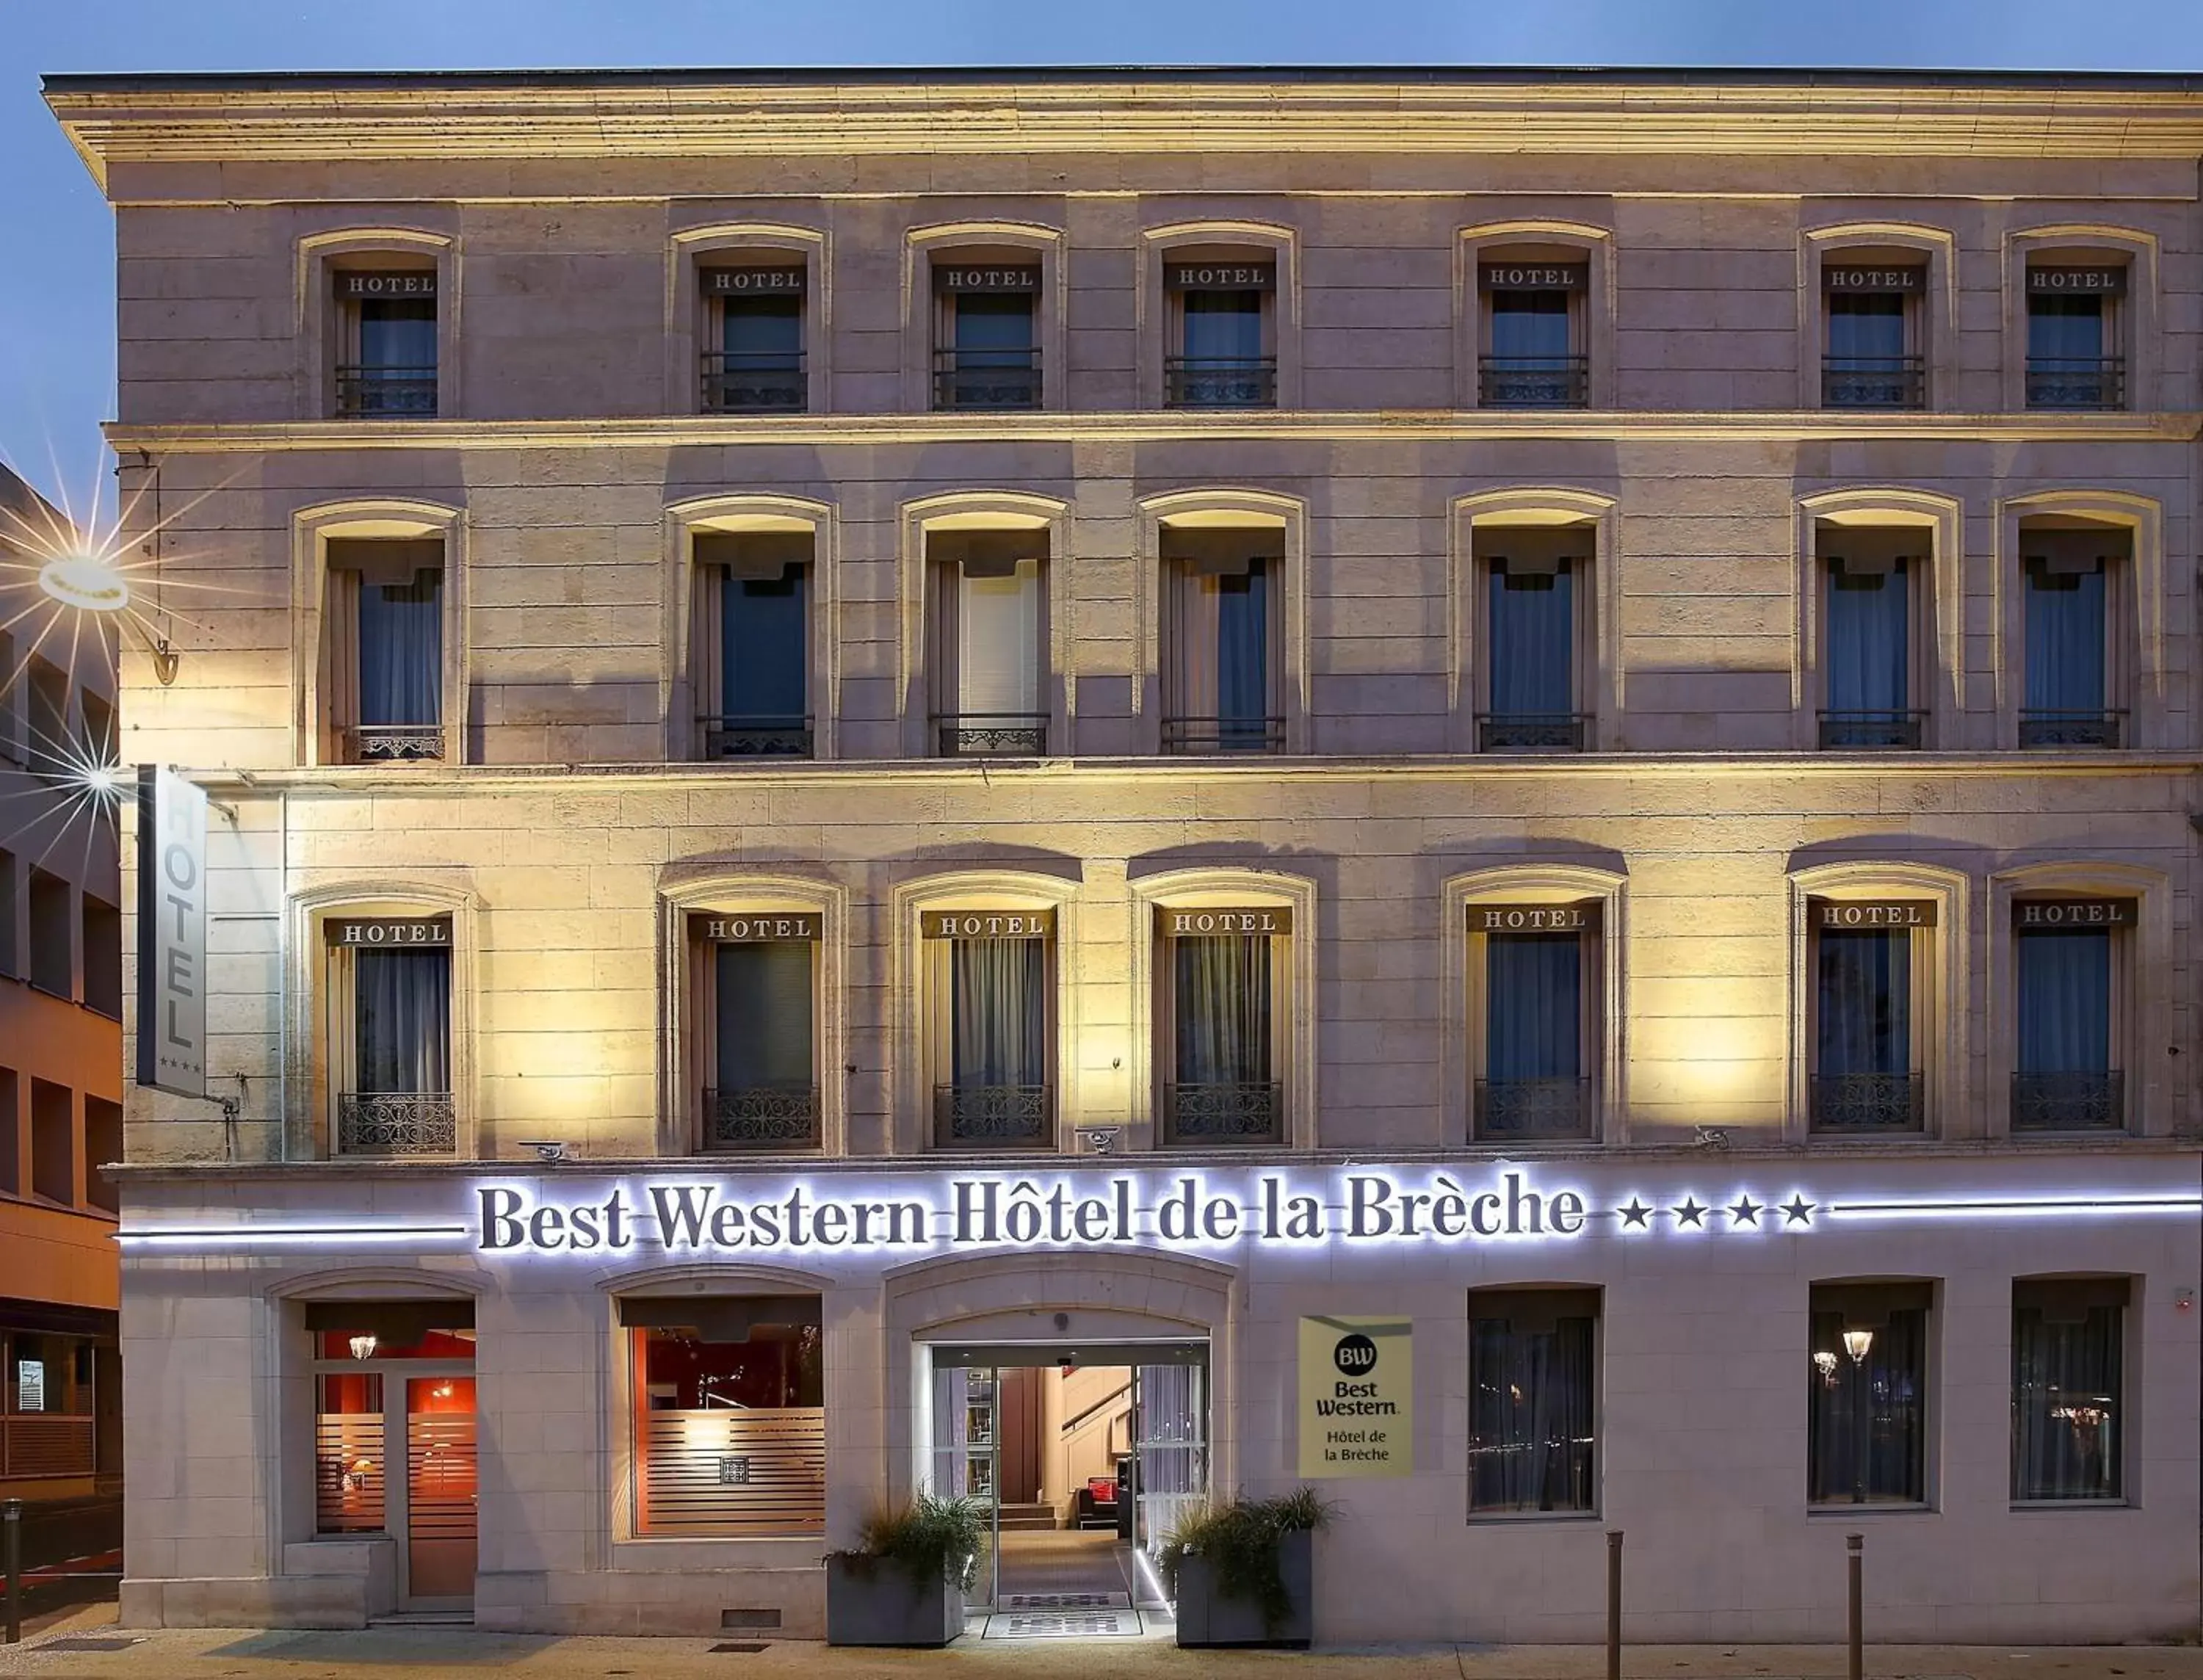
(11, 1568)
(1613, 1604)
(1853, 1542)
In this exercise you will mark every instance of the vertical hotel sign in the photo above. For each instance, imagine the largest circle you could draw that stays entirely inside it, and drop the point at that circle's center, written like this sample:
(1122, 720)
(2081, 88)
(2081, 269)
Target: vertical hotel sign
(1357, 1397)
(172, 831)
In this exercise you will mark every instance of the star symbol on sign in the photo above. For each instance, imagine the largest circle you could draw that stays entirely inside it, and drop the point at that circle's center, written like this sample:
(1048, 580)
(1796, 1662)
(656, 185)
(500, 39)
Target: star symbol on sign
(1798, 1210)
(1634, 1213)
(1744, 1211)
(1688, 1213)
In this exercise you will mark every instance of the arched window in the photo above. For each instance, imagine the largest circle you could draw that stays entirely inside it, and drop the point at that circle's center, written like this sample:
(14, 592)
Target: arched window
(984, 599)
(380, 309)
(1876, 295)
(1878, 585)
(988, 321)
(756, 657)
(1536, 314)
(752, 296)
(1225, 292)
(1529, 582)
(1230, 581)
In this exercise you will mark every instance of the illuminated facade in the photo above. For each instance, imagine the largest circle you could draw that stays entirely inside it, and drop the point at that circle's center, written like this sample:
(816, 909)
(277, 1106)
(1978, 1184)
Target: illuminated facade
(862, 784)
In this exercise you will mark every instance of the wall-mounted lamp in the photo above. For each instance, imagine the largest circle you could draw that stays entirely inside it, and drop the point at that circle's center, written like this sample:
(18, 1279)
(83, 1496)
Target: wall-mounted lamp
(87, 581)
(1856, 1343)
(362, 1346)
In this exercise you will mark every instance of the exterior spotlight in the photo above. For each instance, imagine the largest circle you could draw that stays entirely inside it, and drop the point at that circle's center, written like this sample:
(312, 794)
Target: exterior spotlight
(1856, 1343)
(85, 582)
(362, 1346)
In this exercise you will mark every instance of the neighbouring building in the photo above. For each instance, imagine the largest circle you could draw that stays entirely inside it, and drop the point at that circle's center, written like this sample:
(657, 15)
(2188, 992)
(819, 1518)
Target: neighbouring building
(1094, 788)
(61, 1056)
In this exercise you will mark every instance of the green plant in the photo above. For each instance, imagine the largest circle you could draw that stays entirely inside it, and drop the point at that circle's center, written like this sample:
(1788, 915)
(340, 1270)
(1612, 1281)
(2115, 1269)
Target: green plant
(927, 1537)
(1238, 1542)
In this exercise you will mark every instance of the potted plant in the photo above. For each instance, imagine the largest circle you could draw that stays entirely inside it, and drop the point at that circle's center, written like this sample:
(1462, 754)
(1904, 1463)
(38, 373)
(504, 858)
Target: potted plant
(903, 1583)
(1245, 1573)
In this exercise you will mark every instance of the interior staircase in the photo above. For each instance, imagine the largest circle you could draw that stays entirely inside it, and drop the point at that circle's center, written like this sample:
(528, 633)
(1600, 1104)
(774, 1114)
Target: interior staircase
(1027, 1518)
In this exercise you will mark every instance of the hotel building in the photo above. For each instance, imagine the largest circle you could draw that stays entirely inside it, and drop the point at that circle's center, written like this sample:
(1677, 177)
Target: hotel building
(1024, 783)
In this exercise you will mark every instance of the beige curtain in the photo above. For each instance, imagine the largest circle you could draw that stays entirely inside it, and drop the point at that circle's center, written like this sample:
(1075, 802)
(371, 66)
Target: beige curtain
(340, 665)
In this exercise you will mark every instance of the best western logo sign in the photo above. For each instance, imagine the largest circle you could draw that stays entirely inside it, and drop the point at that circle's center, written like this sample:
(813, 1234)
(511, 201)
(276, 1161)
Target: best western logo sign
(1357, 1397)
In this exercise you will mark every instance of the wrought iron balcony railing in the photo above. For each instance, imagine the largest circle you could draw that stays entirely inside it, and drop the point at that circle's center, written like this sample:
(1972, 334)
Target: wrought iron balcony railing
(1532, 731)
(2068, 1102)
(986, 379)
(366, 392)
(1533, 1109)
(1871, 731)
(397, 1122)
(396, 743)
(1874, 382)
(2041, 727)
(730, 736)
(1224, 734)
(761, 1116)
(1849, 1103)
(993, 734)
(1230, 1111)
(1533, 382)
(754, 382)
(993, 1116)
(2077, 382)
(1220, 381)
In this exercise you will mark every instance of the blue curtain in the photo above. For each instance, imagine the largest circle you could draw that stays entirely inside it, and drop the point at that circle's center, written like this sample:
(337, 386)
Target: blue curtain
(1532, 632)
(1222, 1008)
(2065, 999)
(763, 1003)
(402, 1012)
(1864, 1012)
(1530, 1430)
(2066, 1397)
(999, 1011)
(763, 643)
(2064, 329)
(1867, 1420)
(398, 333)
(998, 322)
(1530, 324)
(2064, 641)
(1533, 1006)
(401, 652)
(1867, 632)
(1866, 327)
(1223, 325)
(761, 332)
(1243, 656)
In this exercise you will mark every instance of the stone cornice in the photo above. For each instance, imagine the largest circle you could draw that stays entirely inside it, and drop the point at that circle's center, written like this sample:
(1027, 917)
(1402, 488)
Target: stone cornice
(1389, 426)
(355, 118)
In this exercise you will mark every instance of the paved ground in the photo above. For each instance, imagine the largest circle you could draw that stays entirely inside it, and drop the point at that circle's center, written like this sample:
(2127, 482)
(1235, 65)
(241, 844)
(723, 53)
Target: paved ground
(383, 1654)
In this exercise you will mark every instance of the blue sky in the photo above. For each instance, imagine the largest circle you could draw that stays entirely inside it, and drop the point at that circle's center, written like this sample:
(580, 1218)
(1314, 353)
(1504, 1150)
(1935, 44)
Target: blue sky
(56, 290)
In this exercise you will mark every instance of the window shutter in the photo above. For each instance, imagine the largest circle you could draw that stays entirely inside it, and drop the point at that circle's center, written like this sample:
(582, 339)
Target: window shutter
(998, 641)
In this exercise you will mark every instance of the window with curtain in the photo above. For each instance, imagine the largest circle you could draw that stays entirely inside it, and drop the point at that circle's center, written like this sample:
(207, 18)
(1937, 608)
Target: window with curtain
(1866, 1394)
(750, 648)
(1864, 1078)
(1222, 667)
(389, 1034)
(989, 603)
(1222, 362)
(760, 1074)
(2068, 1387)
(2067, 655)
(992, 359)
(2065, 1076)
(1533, 361)
(1868, 312)
(1533, 624)
(1534, 1082)
(1532, 1400)
(992, 1040)
(391, 373)
(1867, 661)
(384, 665)
(1223, 1084)
(401, 1004)
(2072, 360)
(760, 356)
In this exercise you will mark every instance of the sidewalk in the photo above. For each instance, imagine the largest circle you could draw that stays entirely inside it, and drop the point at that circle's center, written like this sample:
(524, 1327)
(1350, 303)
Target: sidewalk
(373, 1654)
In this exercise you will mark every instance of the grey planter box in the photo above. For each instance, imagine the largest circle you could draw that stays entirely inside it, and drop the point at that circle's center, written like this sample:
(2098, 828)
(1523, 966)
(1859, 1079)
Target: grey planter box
(1206, 1619)
(883, 1605)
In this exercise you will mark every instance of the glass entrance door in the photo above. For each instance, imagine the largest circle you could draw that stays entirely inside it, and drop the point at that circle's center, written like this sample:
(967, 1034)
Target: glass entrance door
(1170, 1449)
(441, 1491)
(967, 1459)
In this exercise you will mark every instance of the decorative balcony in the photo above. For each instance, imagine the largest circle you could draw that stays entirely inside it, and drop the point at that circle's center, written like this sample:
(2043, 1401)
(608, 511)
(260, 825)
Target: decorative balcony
(397, 1122)
(1874, 382)
(2090, 382)
(1533, 382)
(993, 734)
(396, 743)
(1871, 731)
(1849, 1104)
(986, 379)
(993, 1116)
(761, 1116)
(386, 394)
(754, 382)
(730, 736)
(1532, 1111)
(1224, 734)
(2041, 727)
(2068, 1102)
(1220, 381)
(1532, 731)
(1244, 1111)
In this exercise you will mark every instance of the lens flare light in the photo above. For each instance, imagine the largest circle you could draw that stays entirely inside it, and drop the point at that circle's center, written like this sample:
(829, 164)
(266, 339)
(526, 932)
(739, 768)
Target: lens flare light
(85, 582)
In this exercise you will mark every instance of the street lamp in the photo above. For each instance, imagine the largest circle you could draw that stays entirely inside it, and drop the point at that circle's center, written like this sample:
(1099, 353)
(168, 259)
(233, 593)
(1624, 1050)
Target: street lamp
(1856, 1343)
(87, 581)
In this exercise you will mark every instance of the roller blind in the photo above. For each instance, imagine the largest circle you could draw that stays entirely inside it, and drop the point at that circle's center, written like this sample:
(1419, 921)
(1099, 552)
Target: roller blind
(998, 641)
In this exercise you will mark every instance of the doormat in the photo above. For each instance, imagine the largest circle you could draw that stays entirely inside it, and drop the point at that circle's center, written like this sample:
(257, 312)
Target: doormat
(1063, 1624)
(1067, 1600)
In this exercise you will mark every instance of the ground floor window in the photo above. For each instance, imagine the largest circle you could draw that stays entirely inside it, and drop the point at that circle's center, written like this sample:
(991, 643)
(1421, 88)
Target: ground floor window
(1868, 1394)
(1533, 1430)
(2068, 1392)
(730, 1415)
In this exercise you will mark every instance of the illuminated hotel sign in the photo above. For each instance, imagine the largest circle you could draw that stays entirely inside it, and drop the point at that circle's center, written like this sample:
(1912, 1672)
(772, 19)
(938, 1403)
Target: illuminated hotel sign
(2073, 912)
(407, 283)
(2100, 281)
(1874, 912)
(1533, 276)
(1901, 278)
(757, 927)
(987, 924)
(171, 839)
(1577, 917)
(1220, 276)
(997, 277)
(753, 282)
(1200, 920)
(387, 931)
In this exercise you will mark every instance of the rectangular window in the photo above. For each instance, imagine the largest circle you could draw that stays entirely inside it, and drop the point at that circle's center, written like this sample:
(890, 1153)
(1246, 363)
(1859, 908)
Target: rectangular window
(1867, 1386)
(1871, 308)
(53, 1142)
(2072, 688)
(1869, 1022)
(751, 643)
(730, 1416)
(10, 672)
(990, 998)
(1869, 578)
(101, 746)
(47, 751)
(987, 346)
(11, 1134)
(103, 958)
(1220, 640)
(1532, 1401)
(755, 331)
(2068, 1387)
(53, 935)
(103, 1146)
(384, 665)
(1224, 359)
(11, 961)
(2073, 336)
(1223, 974)
(389, 1035)
(1533, 334)
(990, 602)
(754, 976)
(350, 1485)
(387, 352)
(381, 1407)
(1536, 615)
(2068, 975)
(1534, 971)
